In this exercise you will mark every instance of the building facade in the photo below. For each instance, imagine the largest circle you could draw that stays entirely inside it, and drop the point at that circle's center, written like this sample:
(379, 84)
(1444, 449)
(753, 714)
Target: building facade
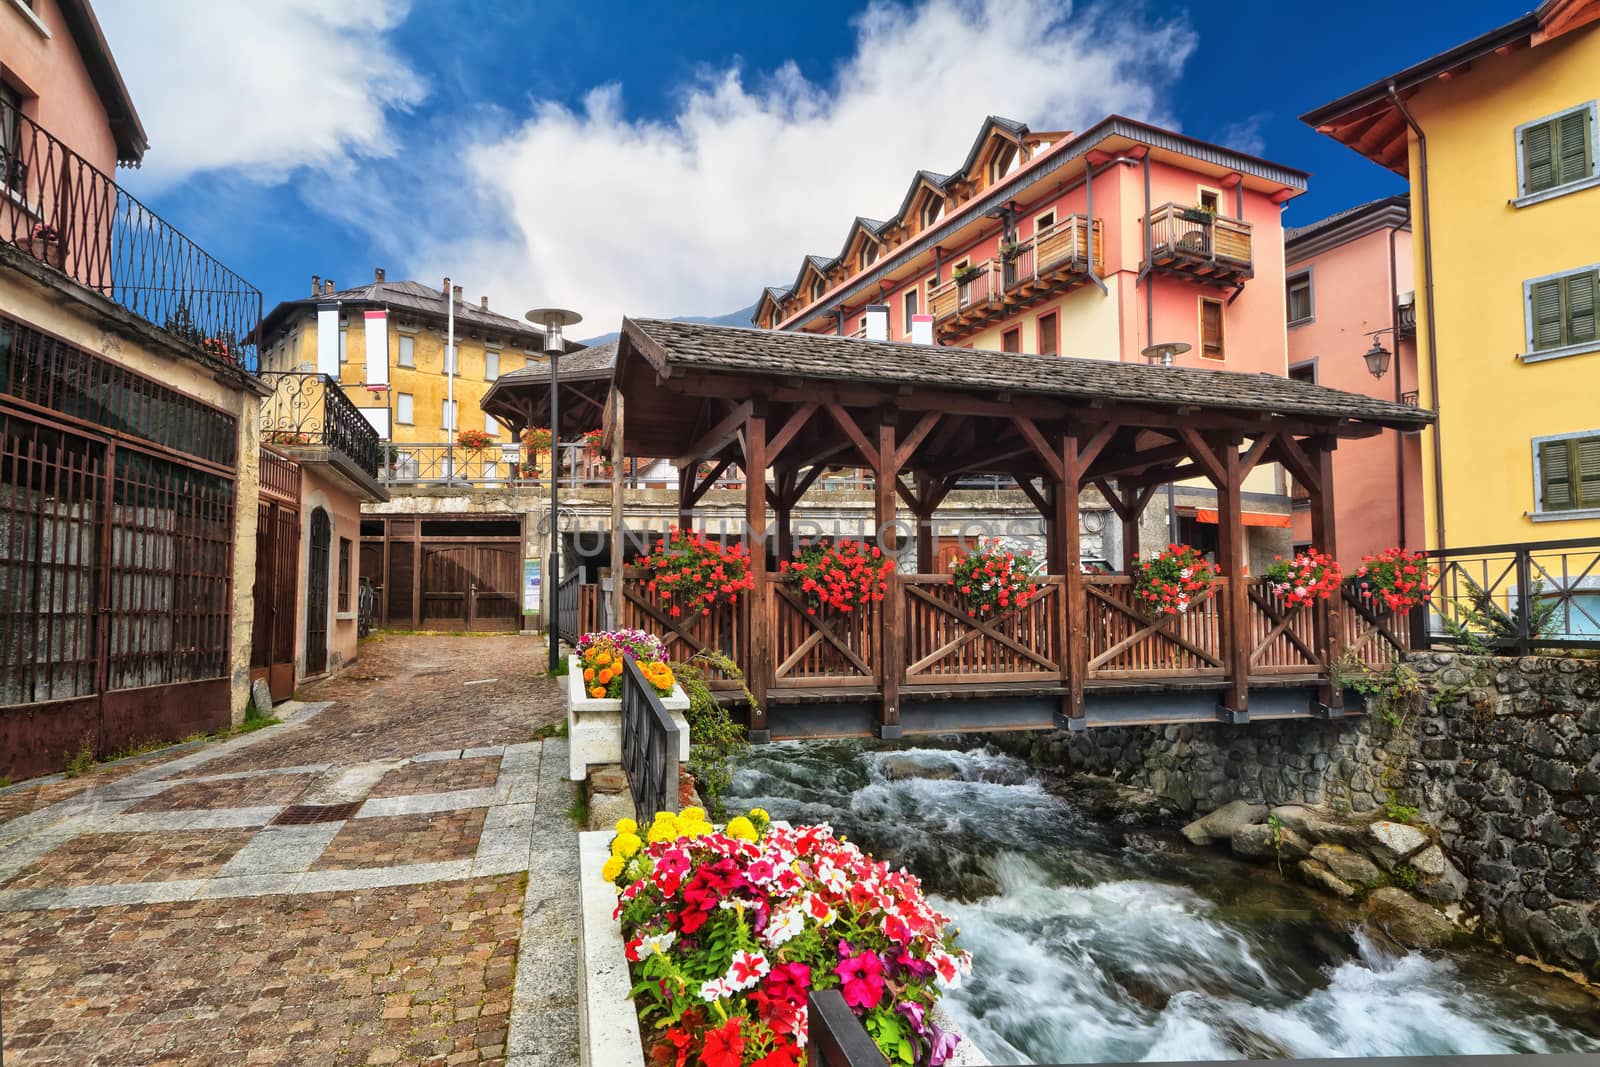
(1499, 140)
(129, 425)
(1352, 325)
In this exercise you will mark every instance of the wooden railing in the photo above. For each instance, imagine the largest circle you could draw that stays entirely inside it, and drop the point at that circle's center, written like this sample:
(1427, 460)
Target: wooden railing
(1185, 232)
(1125, 643)
(723, 630)
(947, 644)
(649, 746)
(1060, 248)
(825, 648)
(1284, 638)
(953, 297)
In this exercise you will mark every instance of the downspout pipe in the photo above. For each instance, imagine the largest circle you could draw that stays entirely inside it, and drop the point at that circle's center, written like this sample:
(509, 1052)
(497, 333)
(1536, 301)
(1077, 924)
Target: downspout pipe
(1399, 393)
(1430, 326)
(1089, 174)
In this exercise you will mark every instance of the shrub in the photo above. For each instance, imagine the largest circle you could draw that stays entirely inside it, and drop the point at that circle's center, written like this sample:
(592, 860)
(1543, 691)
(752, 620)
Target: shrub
(1395, 579)
(994, 582)
(1166, 583)
(728, 931)
(839, 576)
(694, 574)
(1309, 576)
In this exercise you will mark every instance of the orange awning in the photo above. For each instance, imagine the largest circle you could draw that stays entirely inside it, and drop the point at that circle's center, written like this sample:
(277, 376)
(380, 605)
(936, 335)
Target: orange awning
(1251, 518)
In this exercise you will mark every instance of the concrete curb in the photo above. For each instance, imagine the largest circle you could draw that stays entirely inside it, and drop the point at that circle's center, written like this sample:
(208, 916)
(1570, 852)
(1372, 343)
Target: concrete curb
(608, 1023)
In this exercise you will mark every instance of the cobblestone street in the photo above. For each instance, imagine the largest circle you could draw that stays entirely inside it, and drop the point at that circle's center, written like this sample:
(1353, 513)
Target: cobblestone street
(388, 877)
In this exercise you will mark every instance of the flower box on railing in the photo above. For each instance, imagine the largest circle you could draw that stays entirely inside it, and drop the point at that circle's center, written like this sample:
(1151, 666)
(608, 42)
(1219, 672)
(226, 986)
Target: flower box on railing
(594, 725)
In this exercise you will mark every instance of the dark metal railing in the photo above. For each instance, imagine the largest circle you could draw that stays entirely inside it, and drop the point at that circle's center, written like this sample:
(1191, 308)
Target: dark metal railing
(65, 212)
(834, 1036)
(567, 597)
(649, 746)
(1406, 319)
(307, 409)
(502, 463)
(1515, 597)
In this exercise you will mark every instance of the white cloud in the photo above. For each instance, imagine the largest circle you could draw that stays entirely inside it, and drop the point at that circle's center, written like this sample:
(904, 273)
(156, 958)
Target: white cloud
(1245, 136)
(263, 88)
(694, 214)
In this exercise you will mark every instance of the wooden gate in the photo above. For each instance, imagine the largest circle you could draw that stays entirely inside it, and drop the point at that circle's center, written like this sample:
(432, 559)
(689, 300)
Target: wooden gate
(467, 586)
(277, 583)
(444, 573)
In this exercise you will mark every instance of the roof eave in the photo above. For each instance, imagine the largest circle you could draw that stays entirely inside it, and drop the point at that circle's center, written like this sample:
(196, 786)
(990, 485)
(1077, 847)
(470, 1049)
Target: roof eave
(123, 117)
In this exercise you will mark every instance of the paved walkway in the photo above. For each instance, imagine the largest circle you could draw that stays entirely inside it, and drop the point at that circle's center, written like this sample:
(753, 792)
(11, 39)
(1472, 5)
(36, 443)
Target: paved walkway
(388, 877)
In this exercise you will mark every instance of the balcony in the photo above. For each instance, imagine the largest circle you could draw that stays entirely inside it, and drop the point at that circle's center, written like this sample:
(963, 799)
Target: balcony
(1052, 261)
(968, 302)
(60, 209)
(1195, 244)
(309, 419)
(1406, 319)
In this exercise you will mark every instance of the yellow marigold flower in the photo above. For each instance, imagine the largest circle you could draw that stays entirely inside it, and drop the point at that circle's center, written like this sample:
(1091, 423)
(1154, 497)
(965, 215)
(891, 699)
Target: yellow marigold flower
(741, 828)
(626, 845)
(698, 829)
(627, 826)
(692, 814)
(760, 815)
(661, 831)
(612, 869)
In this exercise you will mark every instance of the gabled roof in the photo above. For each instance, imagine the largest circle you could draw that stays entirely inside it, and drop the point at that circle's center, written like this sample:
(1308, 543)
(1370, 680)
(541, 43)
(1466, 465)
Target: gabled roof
(861, 222)
(1016, 130)
(822, 264)
(774, 295)
(1342, 226)
(933, 178)
(673, 346)
(417, 298)
(90, 40)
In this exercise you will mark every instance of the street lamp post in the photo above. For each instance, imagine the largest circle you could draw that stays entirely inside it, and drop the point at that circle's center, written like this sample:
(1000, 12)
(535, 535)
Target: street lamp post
(553, 320)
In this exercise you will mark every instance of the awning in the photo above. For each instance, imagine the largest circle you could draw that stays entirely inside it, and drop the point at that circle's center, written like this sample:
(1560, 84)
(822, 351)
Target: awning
(1251, 518)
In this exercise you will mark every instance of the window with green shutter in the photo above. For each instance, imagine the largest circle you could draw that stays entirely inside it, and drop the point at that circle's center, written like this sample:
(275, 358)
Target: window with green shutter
(1561, 310)
(1569, 473)
(1557, 151)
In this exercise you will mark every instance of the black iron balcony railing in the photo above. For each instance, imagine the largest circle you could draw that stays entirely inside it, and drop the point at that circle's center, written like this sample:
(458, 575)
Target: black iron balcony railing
(62, 210)
(309, 410)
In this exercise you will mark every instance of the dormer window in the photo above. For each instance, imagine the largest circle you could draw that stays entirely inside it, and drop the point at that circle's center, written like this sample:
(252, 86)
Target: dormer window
(869, 255)
(1003, 162)
(818, 287)
(932, 211)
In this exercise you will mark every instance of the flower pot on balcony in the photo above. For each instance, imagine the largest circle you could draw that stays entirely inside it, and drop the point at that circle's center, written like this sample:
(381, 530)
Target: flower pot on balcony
(1194, 214)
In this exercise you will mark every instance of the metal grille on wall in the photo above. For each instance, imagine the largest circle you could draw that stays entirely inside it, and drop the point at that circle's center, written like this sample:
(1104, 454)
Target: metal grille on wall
(116, 556)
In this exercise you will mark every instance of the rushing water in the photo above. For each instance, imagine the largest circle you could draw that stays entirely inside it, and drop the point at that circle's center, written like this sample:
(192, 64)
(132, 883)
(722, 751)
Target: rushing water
(1087, 950)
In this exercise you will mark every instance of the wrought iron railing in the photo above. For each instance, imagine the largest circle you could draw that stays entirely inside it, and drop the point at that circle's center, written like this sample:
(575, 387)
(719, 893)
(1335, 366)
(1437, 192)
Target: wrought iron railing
(1515, 597)
(307, 409)
(649, 746)
(1190, 233)
(835, 1036)
(504, 464)
(65, 212)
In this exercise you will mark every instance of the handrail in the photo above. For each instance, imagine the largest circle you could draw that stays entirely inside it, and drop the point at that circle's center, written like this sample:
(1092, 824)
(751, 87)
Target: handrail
(1066, 241)
(307, 408)
(65, 212)
(567, 606)
(1180, 229)
(952, 296)
(1522, 597)
(835, 1036)
(649, 746)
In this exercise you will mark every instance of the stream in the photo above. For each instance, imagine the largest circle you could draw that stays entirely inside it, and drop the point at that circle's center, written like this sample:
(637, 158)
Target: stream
(1086, 949)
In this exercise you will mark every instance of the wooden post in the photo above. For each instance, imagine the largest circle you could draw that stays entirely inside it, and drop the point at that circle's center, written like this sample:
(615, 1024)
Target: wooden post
(783, 512)
(1066, 537)
(686, 480)
(1236, 618)
(1133, 505)
(618, 536)
(927, 534)
(890, 640)
(758, 671)
(1325, 538)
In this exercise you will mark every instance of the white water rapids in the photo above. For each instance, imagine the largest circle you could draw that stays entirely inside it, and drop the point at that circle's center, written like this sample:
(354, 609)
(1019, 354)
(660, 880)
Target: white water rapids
(1088, 950)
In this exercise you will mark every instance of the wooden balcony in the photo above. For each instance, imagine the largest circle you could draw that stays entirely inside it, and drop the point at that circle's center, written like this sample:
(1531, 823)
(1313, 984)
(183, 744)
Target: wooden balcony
(960, 307)
(1196, 244)
(1052, 261)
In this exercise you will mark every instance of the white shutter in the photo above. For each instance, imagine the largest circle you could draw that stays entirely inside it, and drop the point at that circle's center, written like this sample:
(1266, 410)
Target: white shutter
(377, 348)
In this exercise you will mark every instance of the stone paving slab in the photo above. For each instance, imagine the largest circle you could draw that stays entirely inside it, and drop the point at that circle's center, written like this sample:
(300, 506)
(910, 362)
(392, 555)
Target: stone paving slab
(230, 792)
(121, 859)
(440, 776)
(400, 839)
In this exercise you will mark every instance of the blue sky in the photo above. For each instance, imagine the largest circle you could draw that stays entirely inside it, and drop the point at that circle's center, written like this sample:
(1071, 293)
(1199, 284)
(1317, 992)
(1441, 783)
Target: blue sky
(673, 158)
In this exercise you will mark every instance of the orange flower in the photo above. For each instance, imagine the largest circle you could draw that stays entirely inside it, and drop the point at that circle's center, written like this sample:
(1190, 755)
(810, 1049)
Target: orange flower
(597, 692)
(588, 674)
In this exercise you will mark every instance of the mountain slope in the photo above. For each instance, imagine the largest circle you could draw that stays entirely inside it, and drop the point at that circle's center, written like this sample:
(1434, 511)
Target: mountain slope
(732, 318)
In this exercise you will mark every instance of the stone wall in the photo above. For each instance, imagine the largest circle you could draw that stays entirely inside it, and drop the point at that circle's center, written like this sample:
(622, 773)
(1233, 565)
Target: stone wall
(1500, 756)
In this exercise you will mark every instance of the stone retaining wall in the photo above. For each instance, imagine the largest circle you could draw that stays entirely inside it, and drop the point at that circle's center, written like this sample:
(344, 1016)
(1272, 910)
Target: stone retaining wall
(1501, 756)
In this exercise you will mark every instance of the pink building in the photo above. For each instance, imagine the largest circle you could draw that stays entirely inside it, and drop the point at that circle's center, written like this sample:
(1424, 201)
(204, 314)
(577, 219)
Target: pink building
(1347, 290)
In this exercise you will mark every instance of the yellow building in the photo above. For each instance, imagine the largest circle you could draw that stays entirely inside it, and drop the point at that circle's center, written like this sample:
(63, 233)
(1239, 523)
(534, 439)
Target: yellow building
(1499, 140)
(405, 391)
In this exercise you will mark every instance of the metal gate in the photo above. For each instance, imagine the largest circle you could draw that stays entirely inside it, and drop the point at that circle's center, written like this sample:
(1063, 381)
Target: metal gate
(116, 555)
(317, 592)
(277, 584)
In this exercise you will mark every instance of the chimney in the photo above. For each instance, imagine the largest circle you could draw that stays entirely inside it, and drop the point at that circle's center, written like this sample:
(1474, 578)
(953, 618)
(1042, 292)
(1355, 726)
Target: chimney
(877, 322)
(316, 285)
(922, 329)
(377, 274)
(483, 302)
(456, 293)
(327, 286)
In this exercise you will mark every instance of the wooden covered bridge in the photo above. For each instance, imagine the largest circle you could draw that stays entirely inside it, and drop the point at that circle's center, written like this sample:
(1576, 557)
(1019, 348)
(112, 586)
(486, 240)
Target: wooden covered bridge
(918, 417)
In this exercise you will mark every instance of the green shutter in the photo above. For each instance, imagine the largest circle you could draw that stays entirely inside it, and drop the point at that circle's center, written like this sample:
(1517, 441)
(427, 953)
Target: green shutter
(1555, 476)
(1548, 325)
(1538, 158)
(1580, 307)
(1573, 133)
(1588, 450)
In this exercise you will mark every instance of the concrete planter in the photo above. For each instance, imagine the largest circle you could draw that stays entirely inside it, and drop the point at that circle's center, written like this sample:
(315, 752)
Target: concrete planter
(594, 727)
(608, 1022)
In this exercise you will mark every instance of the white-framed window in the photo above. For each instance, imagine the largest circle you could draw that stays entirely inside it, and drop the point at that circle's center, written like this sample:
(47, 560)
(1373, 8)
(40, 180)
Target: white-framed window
(451, 353)
(408, 352)
(404, 411)
(1566, 476)
(448, 412)
(491, 366)
(1301, 309)
(491, 425)
(932, 210)
(1557, 154)
(343, 355)
(1559, 314)
(1044, 222)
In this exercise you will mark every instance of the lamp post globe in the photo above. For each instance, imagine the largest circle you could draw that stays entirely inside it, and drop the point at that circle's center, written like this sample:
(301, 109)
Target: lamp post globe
(553, 320)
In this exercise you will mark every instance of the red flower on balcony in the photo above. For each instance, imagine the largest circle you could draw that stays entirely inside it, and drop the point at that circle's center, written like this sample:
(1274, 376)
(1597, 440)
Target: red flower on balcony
(43, 231)
(839, 577)
(473, 440)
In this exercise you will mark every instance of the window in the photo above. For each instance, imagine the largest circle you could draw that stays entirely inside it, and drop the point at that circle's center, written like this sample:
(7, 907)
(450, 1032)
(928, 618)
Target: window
(344, 575)
(911, 308)
(1210, 200)
(1304, 372)
(1561, 311)
(869, 255)
(448, 410)
(491, 425)
(1568, 472)
(1299, 298)
(818, 287)
(408, 352)
(1044, 222)
(1011, 340)
(491, 366)
(1556, 151)
(402, 408)
(11, 137)
(1211, 329)
(450, 354)
(1049, 335)
(932, 210)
